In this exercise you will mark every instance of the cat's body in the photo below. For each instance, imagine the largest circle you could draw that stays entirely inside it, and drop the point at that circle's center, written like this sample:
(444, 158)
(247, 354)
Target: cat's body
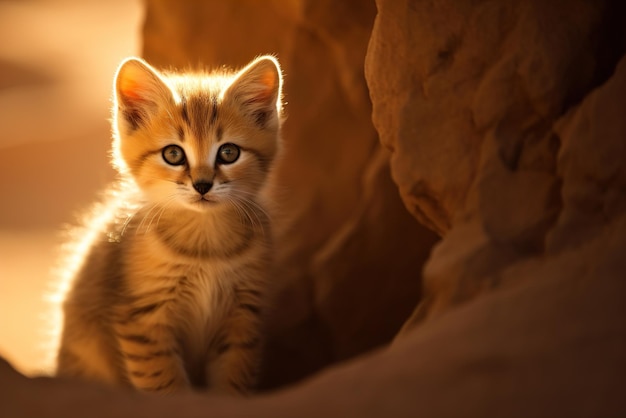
(172, 286)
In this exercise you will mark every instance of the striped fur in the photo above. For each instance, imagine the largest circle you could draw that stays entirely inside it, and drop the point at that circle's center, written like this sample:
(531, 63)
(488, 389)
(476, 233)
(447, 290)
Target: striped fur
(171, 289)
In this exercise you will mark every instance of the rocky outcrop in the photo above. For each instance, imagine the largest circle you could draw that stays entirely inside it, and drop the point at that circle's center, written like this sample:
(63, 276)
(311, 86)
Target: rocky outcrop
(472, 98)
(502, 125)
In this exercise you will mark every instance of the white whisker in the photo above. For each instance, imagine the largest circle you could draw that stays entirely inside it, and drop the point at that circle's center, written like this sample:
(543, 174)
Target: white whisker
(247, 208)
(163, 204)
(126, 223)
(153, 211)
(145, 216)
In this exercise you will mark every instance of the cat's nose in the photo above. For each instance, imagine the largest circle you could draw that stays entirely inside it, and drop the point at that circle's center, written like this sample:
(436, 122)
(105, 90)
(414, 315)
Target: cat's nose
(202, 186)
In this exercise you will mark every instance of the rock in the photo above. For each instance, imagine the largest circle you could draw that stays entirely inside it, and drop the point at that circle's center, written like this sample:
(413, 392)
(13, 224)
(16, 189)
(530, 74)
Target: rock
(467, 96)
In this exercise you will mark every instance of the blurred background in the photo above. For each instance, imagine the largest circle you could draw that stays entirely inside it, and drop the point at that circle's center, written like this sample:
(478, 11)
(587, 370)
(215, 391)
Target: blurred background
(57, 60)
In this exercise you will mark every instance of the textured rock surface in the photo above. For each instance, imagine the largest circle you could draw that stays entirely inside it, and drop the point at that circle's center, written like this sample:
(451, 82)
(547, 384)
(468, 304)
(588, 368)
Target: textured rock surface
(347, 248)
(505, 123)
(468, 96)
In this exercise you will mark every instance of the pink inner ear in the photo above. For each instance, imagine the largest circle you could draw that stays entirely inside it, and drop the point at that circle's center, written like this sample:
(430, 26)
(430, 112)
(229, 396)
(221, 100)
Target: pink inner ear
(131, 90)
(264, 94)
(268, 80)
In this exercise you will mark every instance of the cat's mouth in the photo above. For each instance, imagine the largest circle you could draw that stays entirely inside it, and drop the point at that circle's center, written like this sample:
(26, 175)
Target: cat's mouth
(206, 201)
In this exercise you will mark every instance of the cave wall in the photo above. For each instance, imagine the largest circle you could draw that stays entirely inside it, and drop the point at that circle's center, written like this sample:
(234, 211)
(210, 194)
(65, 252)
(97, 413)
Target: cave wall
(502, 129)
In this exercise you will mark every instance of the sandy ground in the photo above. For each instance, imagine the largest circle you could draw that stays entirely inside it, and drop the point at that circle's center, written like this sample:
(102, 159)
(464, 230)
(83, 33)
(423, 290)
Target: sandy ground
(57, 59)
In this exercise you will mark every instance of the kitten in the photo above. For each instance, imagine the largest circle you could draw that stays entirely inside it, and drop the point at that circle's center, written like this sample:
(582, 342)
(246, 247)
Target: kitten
(170, 286)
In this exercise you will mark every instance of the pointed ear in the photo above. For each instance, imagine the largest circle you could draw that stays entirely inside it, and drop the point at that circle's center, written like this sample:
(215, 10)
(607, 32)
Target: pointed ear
(138, 90)
(258, 90)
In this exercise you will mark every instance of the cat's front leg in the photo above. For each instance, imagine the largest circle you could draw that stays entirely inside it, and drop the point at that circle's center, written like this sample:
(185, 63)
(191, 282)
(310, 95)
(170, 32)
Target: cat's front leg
(149, 350)
(234, 361)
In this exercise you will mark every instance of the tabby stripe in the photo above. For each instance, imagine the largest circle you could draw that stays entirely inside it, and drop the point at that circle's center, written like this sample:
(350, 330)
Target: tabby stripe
(213, 110)
(260, 157)
(248, 345)
(221, 349)
(252, 308)
(134, 118)
(132, 316)
(137, 373)
(221, 343)
(252, 292)
(260, 117)
(162, 386)
(156, 294)
(238, 387)
(137, 357)
(148, 154)
(198, 111)
(143, 310)
(184, 110)
(137, 338)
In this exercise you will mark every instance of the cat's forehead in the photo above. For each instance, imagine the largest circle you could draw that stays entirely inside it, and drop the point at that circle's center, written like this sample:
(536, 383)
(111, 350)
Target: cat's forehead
(198, 102)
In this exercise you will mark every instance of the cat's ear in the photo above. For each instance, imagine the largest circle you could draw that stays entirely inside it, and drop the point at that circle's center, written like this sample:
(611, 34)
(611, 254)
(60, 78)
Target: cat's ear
(258, 90)
(138, 90)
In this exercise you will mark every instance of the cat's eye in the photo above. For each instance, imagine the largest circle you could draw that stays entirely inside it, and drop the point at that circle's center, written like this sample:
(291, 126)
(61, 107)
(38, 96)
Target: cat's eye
(228, 153)
(174, 155)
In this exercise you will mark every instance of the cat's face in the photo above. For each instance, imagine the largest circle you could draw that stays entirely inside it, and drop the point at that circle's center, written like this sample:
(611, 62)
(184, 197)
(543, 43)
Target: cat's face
(197, 140)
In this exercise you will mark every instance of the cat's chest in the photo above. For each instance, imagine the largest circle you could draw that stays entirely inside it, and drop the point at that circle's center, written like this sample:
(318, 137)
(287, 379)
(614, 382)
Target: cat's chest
(198, 288)
(204, 293)
(194, 300)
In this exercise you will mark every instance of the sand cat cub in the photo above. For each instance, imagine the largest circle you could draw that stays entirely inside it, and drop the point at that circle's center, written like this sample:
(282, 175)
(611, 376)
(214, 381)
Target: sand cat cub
(169, 289)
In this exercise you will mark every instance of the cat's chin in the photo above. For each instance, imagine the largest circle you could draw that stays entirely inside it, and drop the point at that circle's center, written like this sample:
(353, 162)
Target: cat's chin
(202, 205)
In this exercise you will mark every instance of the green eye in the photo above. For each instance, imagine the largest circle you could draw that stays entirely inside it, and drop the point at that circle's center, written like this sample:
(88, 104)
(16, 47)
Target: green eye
(228, 154)
(174, 155)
